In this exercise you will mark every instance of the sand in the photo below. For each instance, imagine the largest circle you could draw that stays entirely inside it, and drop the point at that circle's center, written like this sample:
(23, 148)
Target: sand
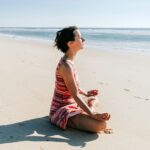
(27, 77)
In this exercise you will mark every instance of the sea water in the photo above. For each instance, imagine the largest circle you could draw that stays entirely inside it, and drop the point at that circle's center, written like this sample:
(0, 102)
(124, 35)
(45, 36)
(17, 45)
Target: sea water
(114, 39)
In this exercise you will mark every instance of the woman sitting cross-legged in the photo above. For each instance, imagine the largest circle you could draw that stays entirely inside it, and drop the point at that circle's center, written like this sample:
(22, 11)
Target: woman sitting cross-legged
(68, 108)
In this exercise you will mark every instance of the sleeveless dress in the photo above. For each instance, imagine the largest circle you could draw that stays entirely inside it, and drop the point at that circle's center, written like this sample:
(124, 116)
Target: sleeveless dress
(63, 106)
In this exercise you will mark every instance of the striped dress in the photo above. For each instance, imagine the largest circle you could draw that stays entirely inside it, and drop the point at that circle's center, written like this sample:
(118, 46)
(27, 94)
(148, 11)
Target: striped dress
(63, 106)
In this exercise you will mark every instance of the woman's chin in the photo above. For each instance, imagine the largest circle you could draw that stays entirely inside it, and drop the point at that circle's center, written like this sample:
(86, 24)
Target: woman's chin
(82, 47)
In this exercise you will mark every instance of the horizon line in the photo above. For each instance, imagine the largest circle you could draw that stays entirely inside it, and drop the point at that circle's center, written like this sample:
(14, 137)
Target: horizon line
(77, 26)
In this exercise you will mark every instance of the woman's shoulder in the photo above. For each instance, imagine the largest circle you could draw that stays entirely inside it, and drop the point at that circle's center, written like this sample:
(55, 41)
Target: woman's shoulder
(65, 65)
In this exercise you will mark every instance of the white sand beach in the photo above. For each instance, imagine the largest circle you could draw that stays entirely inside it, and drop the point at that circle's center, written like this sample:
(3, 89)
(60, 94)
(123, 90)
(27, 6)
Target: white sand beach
(27, 78)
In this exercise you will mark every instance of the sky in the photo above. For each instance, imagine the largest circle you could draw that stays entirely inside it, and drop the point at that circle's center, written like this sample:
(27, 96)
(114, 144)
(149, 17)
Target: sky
(82, 13)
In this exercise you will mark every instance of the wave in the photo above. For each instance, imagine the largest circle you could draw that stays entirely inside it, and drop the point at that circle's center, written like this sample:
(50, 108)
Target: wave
(114, 38)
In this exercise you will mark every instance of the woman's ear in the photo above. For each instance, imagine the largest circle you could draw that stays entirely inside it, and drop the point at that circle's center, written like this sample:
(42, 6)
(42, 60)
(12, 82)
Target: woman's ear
(70, 43)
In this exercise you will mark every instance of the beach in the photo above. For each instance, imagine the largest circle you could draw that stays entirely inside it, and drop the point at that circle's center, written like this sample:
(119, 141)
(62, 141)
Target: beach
(27, 77)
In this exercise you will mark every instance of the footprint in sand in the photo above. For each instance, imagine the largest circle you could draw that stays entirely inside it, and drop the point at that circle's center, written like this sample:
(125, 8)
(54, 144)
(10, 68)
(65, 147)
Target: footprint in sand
(127, 90)
(41, 148)
(146, 99)
(138, 97)
(93, 72)
(22, 61)
(101, 83)
(142, 98)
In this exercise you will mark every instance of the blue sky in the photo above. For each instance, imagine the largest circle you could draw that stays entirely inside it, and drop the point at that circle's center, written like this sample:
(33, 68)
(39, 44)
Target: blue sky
(83, 13)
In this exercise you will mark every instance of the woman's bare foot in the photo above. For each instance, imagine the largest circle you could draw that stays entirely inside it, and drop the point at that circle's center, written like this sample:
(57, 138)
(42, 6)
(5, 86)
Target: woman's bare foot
(107, 131)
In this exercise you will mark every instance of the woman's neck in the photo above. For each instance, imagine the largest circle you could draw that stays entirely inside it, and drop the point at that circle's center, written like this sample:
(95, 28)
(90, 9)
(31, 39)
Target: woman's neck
(70, 55)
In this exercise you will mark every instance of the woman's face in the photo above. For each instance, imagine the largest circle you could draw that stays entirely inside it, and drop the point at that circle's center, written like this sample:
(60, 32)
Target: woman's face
(78, 43)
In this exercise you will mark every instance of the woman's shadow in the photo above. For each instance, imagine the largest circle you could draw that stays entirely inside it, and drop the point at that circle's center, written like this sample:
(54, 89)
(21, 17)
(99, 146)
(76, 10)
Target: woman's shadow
(40, 129)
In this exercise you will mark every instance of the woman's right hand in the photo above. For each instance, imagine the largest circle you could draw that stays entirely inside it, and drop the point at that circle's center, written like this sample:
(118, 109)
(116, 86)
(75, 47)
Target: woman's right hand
(101, 117)
(92, 93)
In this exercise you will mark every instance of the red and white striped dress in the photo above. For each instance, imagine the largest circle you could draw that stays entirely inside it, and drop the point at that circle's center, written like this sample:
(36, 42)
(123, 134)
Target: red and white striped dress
(63, 106)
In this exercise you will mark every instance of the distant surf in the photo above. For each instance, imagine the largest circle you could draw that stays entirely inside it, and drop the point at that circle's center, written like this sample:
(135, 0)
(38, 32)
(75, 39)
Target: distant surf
(117, 39)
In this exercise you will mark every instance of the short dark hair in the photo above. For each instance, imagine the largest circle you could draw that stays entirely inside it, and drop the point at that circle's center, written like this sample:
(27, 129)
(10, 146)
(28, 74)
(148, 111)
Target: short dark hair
(63, 36)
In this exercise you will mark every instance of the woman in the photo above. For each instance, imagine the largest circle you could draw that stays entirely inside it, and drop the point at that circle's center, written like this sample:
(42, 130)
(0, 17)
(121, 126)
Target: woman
(68, 108)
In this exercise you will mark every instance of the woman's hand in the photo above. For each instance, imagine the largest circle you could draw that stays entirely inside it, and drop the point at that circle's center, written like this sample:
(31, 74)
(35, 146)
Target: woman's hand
(101, 117)
(92, 93)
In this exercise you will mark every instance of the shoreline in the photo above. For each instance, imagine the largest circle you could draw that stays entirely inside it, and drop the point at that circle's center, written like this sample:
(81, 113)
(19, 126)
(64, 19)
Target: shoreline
(51, 42)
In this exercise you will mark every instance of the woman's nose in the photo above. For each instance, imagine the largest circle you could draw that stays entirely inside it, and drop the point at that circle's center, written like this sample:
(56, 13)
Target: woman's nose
(82, 39)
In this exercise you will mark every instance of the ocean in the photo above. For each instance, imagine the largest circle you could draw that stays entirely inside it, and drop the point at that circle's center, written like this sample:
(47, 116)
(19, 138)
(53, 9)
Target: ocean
(111, 39)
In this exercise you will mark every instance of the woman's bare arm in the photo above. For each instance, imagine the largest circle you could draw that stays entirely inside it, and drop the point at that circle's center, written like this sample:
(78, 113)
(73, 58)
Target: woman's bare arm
(67, 74)
(83, 92)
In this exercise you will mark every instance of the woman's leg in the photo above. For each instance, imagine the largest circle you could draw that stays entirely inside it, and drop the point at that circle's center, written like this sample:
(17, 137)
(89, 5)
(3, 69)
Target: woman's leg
(85, 122)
